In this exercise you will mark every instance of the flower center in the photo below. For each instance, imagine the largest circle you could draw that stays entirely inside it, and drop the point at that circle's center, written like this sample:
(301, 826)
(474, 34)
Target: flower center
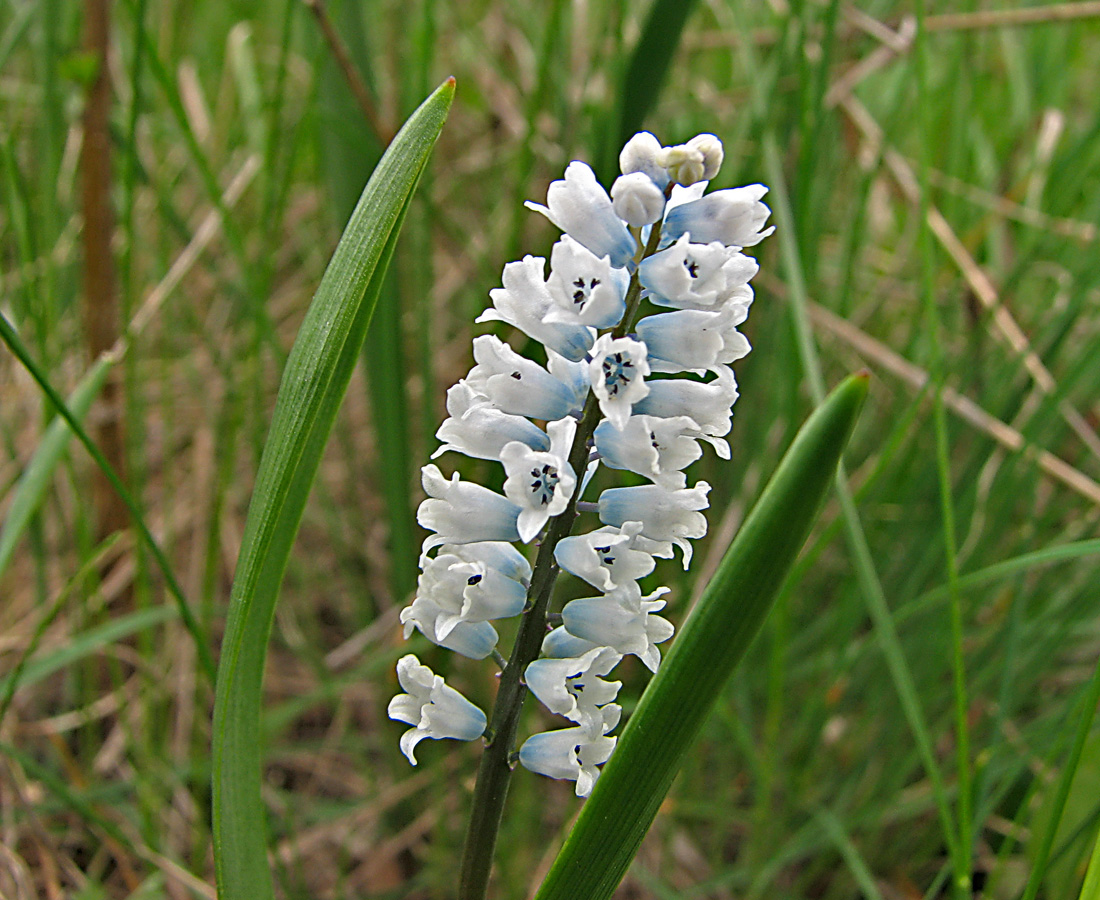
(692, 266)
(545, 480)
(617, 372)
(582, 290)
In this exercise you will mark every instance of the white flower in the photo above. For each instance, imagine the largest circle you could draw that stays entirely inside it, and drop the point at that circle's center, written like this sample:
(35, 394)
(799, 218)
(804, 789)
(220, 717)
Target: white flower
(640, 154)
(665, 515)
(637, 200)
(560, 644)
(573, 687)
(478, 429)
(692, 340)
(585, 289)
(572, 754)
(617, 370)
(524, 302)
(607, 557)
(540, 483)
(697, 275)
(656, 448)
(708, 403)
(622, 619)
(461, 512)
(734, 217)
(467, 583)
(580, 207)
(516, 385)
(433, 708)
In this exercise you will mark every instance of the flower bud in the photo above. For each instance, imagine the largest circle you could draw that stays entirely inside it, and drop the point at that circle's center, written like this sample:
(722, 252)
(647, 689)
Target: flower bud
(637, 200)
(640, 154)
(685, 164)
(711, 148)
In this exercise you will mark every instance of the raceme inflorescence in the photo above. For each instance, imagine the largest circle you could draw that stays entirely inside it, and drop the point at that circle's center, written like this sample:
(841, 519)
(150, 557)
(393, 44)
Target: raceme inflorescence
(636, 393)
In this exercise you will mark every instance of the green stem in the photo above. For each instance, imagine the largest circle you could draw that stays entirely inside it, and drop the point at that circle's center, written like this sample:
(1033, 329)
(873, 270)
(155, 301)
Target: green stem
(495, 770)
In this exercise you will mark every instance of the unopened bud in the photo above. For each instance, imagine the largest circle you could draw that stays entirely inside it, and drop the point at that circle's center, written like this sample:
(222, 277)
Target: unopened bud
(684, 163)
(711, 148)
(637, 200)
(640, 155)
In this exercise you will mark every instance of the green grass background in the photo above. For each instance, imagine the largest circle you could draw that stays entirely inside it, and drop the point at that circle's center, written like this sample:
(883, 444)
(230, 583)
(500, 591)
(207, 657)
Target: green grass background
(894, 723)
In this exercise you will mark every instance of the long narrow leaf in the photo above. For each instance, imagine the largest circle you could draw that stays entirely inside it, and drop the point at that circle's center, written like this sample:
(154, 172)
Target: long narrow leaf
(36, 478)
(678, 700)
(314, 383)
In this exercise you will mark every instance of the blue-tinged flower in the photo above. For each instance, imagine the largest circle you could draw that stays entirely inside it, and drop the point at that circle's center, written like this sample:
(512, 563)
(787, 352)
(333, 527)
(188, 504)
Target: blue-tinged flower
(637, 200)
(640, 154)
(560, 644)
(580, 207)
(574, 687)
(462, 584)
(478, 429)
(734, 216)
(622, 619)
(617, 371)
(540, 483)
(708, 403)
(586, 289)
(475, 640)
(693, 340)
(432, 707)
(572, 754)
(607, 557)
(691, 275)
(524, 302)
(665, 515)
(514, 384)
(657, 448)
(461, 512)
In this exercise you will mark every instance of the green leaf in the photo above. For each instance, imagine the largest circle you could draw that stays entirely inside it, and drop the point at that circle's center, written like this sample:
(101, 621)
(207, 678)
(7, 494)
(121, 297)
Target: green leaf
(678, 700)
(313, 385)
(37, 476)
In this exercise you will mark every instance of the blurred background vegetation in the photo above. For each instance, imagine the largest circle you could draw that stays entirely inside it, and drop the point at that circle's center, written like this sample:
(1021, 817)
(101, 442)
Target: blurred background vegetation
(890, 717)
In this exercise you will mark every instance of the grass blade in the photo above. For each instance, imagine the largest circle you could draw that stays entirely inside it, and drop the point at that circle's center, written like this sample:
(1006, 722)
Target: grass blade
(314, 382)
(37, 476)
(720, 629)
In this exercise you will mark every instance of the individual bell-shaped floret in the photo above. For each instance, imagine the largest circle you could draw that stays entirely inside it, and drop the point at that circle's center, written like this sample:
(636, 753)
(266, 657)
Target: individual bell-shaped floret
(524, 302)
(478, 429)
(640, 154)
(516, 385)
(541, 484)
(665, 515)
(572, 754)
(734, 217)
(607, 557)
(433, 708)
(467, 583)
(623, 620)
(637, 200)
(689, 275)
(574, 687)
(617, 370)
(694, 340)
(585, 289)
(580, 207)
(708, 403)
(461, 512)
(657, 448)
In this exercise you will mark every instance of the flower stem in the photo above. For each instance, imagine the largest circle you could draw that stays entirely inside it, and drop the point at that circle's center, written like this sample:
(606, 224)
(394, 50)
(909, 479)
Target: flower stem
(495, 770)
